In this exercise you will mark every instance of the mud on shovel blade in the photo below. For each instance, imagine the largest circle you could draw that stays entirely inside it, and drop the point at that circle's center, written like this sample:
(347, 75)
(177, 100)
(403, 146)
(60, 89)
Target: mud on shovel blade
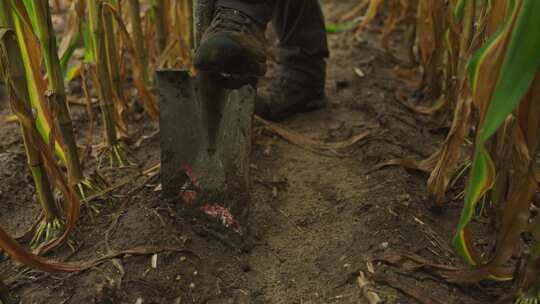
(206, 146)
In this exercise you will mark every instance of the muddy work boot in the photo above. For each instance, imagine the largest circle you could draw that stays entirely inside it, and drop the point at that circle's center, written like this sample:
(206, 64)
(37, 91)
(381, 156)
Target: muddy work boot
(289, 98)
(232, 48)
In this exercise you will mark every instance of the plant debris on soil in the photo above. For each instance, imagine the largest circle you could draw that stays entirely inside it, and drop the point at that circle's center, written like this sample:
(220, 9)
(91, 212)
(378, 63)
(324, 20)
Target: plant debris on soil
(317, 220)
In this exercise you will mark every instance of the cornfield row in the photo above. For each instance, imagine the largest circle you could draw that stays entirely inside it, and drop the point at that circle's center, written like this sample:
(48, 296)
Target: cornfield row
(480, 63)
(116, 40)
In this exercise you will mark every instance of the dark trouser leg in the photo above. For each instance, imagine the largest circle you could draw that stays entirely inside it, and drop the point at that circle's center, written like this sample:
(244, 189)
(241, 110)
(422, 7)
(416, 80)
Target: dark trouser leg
(303, 47)
(299, 25)
(256, 9)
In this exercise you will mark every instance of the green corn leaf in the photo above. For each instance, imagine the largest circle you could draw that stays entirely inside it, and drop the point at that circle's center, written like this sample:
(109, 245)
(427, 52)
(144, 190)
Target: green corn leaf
(88, 43)
(29, 4)
(459, 10)
(481, 179)
(518, 70)
(343, 27)
(73, 45)
(478, 57)
(41, 122)
(448, 43)
(519, 66)
(72, 72)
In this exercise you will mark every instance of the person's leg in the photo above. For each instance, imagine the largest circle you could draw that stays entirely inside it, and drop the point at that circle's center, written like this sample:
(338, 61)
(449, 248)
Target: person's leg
(302, 55)
(259, 10)
(234, 45)
(303, 46)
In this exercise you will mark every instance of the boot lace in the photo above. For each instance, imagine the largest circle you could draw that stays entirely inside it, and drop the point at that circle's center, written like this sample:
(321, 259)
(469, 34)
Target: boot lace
(230, 20)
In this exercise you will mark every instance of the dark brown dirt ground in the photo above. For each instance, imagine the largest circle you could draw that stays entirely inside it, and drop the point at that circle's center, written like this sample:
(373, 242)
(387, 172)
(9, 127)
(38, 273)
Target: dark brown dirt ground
(328, 218)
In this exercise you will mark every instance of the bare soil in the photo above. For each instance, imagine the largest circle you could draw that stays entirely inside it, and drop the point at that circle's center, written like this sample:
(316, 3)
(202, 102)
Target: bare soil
(315, 219)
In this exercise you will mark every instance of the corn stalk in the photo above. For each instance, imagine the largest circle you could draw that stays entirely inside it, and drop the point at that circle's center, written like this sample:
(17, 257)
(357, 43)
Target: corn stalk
(504, 75)
(148, 99)
(31, 56)
(187, 19)
(102, 80)
(56, 94)
(15, 78)
(444, 42)
(182, 35)
(113, 62)
(138, 37)
(504, 87)
(161, 22)
(510, 57)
